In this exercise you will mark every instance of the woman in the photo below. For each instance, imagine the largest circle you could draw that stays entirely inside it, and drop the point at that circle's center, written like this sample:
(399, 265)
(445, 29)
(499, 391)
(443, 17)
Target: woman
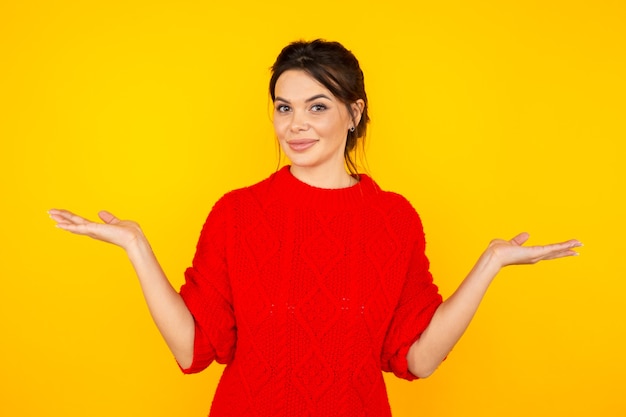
(311, 282)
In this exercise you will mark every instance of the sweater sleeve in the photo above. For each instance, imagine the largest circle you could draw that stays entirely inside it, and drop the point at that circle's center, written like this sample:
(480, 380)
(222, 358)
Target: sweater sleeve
(418, 302)
(207, 294)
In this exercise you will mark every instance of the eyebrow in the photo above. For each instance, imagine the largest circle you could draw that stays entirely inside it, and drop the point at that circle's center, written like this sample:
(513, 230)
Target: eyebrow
(308, 100)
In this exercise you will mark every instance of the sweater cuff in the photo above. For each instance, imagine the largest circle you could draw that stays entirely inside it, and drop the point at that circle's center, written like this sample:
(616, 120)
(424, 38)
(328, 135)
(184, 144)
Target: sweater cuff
(203, 353)
(400, 365)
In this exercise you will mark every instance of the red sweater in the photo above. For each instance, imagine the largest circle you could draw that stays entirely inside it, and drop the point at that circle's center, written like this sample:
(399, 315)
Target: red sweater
(307, 294)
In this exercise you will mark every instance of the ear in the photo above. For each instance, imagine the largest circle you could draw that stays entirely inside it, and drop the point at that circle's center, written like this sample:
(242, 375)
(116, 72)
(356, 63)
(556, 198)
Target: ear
(356, 109)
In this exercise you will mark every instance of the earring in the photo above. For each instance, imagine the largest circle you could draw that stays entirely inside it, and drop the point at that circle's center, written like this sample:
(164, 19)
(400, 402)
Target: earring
(352, 129)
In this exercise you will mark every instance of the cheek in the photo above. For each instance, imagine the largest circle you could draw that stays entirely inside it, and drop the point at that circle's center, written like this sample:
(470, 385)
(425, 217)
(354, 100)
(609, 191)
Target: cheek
(337, 128)
(279, 128)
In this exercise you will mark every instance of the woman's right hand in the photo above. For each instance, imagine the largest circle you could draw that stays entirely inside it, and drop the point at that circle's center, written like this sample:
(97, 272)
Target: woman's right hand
(123, 233)
(167, 307)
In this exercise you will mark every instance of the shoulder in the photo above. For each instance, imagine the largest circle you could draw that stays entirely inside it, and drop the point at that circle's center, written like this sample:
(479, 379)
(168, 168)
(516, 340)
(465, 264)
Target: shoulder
(398, 202)
(256, 194)
(398, 212)
(236, 206)
(390, 200)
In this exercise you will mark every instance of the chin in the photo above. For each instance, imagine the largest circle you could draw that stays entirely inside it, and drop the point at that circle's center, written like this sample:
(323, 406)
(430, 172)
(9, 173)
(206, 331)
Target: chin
(301, 164)
(303, 161)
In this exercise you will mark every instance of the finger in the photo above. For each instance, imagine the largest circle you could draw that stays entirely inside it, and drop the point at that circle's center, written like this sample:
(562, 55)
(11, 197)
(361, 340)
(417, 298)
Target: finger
(79, 229)
(559, 250)
(65, 216)
(108, 217)
(57, 214)
(569, 244)
(520, 239)
(562, 254)
(54, 215)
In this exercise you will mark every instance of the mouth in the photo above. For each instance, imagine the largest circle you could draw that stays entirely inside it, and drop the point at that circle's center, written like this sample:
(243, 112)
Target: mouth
(300, 145)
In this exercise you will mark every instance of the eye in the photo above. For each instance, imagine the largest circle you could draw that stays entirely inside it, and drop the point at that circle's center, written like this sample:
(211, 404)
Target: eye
(282, 108)
(318, 107)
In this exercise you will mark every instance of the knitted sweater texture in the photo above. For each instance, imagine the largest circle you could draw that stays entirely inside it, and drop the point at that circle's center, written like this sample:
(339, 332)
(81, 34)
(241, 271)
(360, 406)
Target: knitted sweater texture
(307, 294)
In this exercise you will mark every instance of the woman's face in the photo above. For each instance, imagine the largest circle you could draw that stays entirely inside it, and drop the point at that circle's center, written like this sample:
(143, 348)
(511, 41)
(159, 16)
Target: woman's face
(310, 122)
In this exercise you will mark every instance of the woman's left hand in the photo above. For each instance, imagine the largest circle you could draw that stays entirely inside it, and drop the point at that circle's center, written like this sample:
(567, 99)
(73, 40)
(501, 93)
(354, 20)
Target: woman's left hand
(454, 315)
(511, 252)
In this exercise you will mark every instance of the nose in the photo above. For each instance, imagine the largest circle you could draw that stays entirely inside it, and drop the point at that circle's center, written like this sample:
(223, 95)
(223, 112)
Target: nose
(299, 122)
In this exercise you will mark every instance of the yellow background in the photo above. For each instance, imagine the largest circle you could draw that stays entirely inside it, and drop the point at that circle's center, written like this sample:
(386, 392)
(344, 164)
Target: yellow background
(491, 117)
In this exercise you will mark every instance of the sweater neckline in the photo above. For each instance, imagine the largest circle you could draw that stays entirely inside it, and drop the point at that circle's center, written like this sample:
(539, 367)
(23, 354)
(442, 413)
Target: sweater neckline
(299, 193)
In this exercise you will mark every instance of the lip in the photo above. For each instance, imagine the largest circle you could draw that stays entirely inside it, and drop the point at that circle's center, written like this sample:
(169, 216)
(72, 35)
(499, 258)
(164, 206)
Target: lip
(300, 145)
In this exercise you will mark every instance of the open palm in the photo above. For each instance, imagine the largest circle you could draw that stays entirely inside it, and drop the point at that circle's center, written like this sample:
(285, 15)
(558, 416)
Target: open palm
(118, 232)
(512, 252)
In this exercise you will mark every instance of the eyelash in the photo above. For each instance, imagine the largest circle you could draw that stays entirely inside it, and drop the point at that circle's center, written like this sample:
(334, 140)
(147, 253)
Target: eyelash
(316, 108)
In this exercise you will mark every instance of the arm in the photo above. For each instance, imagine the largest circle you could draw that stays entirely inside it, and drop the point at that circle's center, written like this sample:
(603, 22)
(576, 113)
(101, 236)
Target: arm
(168, 310)
(455, 314)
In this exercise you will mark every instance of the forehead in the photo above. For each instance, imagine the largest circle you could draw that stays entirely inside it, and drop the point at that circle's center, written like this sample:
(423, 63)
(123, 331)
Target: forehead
(298, 84)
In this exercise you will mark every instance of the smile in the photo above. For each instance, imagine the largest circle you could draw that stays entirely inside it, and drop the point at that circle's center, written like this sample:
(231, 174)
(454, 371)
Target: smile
(300, 145)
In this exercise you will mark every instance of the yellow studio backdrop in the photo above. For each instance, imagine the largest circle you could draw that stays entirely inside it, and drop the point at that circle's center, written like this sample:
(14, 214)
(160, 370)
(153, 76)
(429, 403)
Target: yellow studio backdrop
(490, 117)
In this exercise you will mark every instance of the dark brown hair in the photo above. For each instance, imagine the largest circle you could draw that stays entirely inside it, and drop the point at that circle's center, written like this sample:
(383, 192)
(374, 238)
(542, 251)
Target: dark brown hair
(337, 69)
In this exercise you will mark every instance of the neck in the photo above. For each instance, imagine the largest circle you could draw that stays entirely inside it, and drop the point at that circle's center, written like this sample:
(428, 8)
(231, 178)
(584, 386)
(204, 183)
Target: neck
(323, 178)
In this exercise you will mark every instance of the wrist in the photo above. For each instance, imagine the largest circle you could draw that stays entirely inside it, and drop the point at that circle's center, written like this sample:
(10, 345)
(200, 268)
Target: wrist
(138, 245)
(489, 263)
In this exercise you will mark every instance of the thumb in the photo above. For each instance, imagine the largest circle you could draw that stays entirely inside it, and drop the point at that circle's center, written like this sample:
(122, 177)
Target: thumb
(108, 217)
(520, 239)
